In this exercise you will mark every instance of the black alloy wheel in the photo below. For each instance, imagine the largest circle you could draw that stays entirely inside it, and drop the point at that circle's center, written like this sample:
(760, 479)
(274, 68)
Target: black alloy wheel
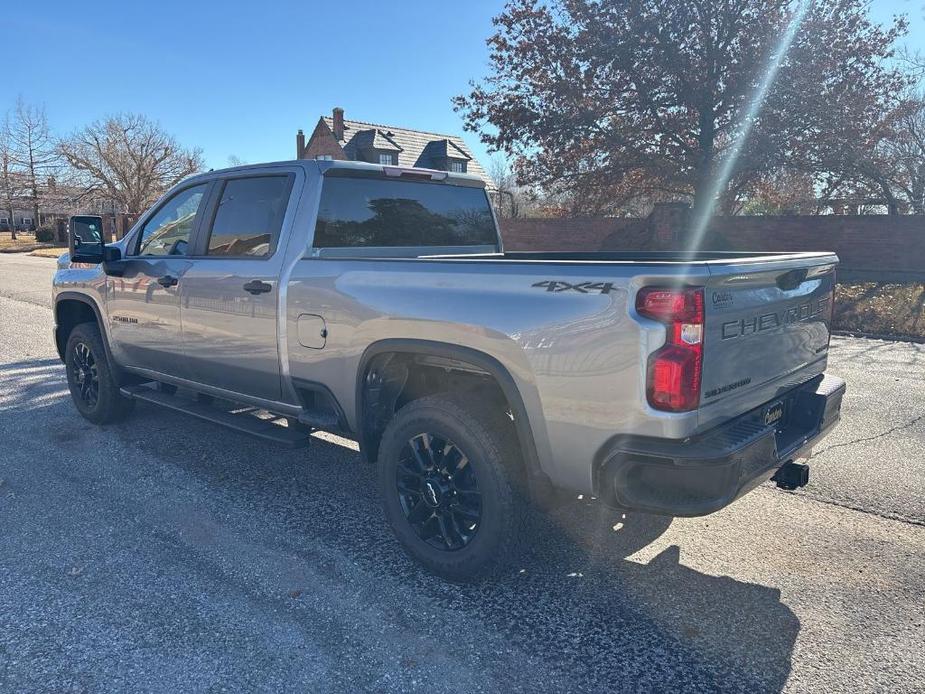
(85, 374)
(438, 492)
(450, 479)
(90, 377)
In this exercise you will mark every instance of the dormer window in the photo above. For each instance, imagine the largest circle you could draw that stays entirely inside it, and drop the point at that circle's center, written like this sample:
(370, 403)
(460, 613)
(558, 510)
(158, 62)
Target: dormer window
(387, 159)
(457, 166)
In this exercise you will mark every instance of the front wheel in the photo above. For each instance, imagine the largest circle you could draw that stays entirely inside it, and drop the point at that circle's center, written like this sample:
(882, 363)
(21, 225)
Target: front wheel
(90, 377)
(449, 478)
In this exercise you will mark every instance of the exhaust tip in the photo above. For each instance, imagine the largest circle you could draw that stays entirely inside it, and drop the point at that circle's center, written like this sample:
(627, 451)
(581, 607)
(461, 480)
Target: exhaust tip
(791, 476)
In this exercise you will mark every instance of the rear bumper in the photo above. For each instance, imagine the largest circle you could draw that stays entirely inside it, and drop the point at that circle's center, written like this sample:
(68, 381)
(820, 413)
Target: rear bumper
(703, 474)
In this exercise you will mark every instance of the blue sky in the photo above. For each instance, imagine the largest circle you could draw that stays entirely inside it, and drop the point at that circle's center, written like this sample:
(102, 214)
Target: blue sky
(239, 78)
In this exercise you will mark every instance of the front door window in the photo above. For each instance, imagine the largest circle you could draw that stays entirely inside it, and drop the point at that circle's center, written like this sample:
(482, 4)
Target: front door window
(168, 231)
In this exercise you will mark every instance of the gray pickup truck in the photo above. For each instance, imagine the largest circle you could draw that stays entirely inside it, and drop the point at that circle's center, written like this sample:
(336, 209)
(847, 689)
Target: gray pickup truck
(377, 303)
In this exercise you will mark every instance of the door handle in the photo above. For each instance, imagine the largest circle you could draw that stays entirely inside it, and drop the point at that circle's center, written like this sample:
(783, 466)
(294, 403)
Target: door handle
(167, 281)
(258, 287)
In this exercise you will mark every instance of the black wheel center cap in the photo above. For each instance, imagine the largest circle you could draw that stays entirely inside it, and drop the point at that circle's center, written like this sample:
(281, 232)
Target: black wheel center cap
(433, 493)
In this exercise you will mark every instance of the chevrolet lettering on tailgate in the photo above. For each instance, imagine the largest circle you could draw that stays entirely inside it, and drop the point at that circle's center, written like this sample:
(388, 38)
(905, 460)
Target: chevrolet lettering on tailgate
(770, 321)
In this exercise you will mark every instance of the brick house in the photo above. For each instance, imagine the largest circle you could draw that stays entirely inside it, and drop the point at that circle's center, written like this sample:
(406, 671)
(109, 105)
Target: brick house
(337, 138)
(56, 203)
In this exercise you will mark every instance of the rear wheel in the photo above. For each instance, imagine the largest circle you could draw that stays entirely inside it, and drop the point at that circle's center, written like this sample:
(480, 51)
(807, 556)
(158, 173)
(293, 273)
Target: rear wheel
(449, 479)
(90, 378)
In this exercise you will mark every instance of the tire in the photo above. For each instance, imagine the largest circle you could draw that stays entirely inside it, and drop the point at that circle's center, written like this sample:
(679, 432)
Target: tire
(86, 362)
(473, 541)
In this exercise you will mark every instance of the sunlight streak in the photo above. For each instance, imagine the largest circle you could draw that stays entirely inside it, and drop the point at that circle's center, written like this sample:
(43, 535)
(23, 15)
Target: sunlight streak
(721, 179)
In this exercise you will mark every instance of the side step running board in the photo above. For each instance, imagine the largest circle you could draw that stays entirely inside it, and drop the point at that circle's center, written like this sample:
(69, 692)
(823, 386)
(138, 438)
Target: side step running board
(318, 419)
(242, 421)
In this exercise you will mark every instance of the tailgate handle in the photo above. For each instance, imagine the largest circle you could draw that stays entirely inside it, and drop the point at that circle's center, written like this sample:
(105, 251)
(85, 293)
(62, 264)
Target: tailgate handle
(792, 279)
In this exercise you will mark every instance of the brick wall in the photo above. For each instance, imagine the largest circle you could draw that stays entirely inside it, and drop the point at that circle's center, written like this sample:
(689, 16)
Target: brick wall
(579, 233)
(876, 247)
(322, 143)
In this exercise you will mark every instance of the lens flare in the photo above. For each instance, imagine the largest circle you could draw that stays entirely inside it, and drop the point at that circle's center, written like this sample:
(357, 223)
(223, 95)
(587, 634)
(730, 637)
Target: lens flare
(702, 219)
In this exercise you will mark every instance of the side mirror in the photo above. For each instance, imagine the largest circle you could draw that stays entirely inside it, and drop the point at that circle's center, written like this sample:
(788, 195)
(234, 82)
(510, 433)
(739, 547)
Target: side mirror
(85, 239)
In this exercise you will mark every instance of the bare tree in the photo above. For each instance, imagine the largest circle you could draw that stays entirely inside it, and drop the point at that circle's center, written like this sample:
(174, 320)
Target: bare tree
(505, 192)
(33, 149)
(9, 178)
(512, 200)
(129, 158)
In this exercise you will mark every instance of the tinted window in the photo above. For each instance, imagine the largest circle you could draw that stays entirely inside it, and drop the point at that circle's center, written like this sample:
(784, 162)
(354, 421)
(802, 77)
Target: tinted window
(169, 230)
(377, 212)
(249, 216)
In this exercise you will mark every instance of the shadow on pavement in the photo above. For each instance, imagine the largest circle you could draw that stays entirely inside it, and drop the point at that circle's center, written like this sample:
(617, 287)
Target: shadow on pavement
(30, 384)
(577, 601)
(596, 616)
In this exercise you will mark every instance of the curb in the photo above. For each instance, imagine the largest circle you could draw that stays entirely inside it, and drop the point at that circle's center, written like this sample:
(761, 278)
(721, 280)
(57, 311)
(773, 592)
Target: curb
(879, 336)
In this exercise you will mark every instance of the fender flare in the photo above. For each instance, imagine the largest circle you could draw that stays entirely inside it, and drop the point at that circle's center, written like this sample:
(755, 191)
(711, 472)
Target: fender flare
(476, 358)
(84, 299)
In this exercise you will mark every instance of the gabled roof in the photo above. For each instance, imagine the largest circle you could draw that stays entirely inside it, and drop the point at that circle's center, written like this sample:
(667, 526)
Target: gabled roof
(414, 147)
(371, 139)
(443, 149)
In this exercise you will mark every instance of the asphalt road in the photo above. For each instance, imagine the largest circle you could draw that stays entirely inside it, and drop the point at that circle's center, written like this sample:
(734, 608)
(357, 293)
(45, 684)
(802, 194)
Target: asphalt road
(165, 554)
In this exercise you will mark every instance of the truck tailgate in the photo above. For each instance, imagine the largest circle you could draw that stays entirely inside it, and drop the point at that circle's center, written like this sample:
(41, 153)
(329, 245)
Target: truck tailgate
(767, 330)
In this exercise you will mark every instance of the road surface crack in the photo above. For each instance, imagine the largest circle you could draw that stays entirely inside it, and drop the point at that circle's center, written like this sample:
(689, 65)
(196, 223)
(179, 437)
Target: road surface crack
(865, 439)
(886, 515)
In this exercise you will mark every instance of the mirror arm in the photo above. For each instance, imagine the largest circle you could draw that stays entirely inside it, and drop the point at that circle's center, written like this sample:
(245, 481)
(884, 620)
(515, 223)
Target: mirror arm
(113, 264)
(114, 268)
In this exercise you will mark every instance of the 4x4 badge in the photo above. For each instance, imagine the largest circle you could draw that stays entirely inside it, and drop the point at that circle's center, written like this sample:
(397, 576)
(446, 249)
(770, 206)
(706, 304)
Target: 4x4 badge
(581, 287)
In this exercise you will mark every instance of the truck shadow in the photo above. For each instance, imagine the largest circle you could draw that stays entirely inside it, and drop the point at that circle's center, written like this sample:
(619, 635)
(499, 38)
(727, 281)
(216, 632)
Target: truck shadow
(657, 621)
(578, 605)
(600, 619)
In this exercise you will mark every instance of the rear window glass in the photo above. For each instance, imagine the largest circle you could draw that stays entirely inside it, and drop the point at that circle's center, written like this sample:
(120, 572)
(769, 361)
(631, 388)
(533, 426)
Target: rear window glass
(249, 216)
(377, 212)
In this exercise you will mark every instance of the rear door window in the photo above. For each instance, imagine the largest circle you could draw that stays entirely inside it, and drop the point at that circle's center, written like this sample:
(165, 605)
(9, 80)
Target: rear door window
(372, 212)
(249, 216)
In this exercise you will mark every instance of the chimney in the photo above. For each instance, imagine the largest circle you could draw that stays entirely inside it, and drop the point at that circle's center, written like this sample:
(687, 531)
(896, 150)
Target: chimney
(299, 144)
(338, 115)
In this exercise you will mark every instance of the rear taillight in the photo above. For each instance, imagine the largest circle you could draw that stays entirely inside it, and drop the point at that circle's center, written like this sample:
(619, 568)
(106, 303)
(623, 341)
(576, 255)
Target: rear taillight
(673, 379)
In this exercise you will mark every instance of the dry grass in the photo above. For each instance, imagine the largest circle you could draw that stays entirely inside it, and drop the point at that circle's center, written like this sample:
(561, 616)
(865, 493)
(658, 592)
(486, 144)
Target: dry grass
(49, 252)
(879, 308)
(23, 244)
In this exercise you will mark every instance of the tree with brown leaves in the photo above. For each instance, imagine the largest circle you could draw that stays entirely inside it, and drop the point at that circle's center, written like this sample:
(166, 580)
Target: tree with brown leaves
(620, 99)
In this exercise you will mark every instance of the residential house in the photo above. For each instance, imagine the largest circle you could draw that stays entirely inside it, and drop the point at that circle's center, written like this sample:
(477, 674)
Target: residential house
(57, 202)
(335, 137)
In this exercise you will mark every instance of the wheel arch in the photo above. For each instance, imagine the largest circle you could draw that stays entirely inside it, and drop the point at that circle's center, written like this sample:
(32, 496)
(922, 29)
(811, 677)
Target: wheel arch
(477, 360)
(71, 309)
